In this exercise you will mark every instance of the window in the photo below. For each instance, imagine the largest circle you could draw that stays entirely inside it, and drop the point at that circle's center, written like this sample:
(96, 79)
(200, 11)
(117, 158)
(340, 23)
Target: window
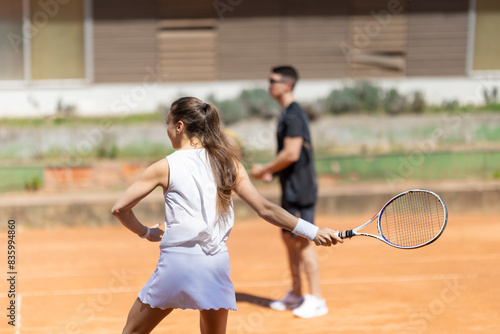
(42, 39)
(486, 49)
(11, 41)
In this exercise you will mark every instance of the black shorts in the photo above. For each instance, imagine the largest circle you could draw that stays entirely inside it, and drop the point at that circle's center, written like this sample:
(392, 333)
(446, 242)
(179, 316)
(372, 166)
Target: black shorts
(304, 212)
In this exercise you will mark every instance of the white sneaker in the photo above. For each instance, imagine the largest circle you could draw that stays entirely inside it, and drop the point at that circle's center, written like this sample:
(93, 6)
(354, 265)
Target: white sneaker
(311, 307)
(290, 301)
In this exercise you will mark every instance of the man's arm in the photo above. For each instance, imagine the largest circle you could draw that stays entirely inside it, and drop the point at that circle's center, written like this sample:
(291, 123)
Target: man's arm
(290, 153)
(275, 214)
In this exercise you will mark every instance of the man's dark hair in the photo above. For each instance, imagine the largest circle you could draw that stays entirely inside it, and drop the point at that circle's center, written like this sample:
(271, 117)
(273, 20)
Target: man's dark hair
(287, 72)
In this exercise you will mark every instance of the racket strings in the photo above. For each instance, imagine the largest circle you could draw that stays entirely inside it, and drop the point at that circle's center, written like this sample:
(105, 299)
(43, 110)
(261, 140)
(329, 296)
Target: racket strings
(412, 219)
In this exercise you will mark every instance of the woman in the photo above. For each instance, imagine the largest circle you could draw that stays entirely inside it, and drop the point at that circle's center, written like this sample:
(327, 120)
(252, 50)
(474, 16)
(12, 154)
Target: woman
(198, 181)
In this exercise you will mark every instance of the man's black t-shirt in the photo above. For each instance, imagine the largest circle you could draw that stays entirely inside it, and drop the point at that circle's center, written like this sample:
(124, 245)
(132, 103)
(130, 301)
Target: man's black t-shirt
(298, 181)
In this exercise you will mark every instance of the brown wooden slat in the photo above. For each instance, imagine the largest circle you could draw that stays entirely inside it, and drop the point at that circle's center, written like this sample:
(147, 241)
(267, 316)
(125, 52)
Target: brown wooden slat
(186, 53)
(182, 34)
(124, 47)
(372, 39)
(123, 9)
(437, 42)
(187, 76)
(441, 71)
(181, 54)
(139, 71)
(112, 50)
(312, 29)
(388, 22)
(202, 62)
(185, 23)
(454, 63)
(193, 72)
(316, 8)
(453, 52)
(242, 58)
(447, 42)
(312, 45)
(175, 9)
(365, 7)
(433, 6)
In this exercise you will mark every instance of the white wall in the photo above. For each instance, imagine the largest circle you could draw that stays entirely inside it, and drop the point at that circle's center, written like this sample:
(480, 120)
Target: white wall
(123, 99)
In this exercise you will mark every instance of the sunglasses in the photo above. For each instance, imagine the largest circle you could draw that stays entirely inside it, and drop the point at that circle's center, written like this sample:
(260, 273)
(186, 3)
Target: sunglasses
(272, 81)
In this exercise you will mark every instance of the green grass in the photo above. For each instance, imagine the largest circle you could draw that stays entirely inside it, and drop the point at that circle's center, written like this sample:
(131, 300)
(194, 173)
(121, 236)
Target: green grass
(488, 133)
(21, 178)
(149, 117)
(413, 165)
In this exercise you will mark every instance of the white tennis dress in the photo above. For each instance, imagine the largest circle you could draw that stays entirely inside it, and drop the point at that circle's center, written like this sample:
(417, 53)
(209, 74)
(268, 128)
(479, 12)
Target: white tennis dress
(193, 271)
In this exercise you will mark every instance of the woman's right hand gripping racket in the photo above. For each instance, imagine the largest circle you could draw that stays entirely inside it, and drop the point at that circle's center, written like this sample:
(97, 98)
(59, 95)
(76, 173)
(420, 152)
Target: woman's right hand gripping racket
(412, 219)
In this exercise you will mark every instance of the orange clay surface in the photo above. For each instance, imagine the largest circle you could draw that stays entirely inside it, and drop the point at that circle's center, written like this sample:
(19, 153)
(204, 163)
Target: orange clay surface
(84, 280)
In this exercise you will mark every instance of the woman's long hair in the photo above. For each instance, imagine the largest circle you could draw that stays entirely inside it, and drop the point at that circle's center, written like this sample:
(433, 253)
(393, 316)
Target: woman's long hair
(201, 120)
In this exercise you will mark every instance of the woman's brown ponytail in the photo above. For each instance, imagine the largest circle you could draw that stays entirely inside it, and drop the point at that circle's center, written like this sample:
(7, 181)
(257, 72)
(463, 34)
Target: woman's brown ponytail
(202, 120)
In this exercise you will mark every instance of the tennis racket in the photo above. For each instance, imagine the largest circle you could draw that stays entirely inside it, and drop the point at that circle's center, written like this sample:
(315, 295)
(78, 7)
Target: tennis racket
(412, 219)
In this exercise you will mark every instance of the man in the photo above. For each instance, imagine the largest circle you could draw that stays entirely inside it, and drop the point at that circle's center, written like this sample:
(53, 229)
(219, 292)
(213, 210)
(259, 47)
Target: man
(294, 164)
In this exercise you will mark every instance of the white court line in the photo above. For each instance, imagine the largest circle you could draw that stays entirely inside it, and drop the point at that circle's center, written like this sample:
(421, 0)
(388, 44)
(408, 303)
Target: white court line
(434, 259)
(382, 279)
(386, 279)
(61, 274)
(74, 292)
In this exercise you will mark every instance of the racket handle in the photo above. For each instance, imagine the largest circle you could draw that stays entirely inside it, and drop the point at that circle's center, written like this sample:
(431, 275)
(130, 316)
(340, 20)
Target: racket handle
(346, 234)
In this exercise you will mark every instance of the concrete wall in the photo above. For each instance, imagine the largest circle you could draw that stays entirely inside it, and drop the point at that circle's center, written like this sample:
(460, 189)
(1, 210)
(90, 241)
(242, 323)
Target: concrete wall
(345, 134)
(145, 96)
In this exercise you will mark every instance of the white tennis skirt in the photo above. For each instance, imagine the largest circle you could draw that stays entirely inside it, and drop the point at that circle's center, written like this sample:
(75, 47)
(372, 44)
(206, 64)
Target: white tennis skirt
(187, 278)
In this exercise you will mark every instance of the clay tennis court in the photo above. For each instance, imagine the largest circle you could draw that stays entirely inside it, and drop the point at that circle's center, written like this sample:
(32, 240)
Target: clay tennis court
(84, 280)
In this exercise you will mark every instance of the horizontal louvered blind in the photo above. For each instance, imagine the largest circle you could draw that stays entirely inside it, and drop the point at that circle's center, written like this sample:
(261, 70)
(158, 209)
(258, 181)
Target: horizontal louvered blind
(378, 38)
(248, 47)
(437, 38)
(186, 49)
(312, 45)
(124, 50)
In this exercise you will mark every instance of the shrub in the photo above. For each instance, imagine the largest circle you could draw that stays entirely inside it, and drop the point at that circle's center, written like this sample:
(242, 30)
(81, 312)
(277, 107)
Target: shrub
(369, 95)
(450, 105)
(64, 110)
(418, 103)
(395, 103)
(251, 102)
(33, 184)
(257, 102)
(314, 110)
(231, 111)
(362, 96)
(343, 101)
(490, 97)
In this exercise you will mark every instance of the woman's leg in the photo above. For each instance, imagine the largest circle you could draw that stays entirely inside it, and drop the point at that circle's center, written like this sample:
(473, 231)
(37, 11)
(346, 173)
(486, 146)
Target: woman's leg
(213, 321)
(142, 318)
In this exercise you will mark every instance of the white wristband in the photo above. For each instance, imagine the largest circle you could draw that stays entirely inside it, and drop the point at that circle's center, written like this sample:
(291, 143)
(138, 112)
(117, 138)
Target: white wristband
(306, 229)
(145, 235)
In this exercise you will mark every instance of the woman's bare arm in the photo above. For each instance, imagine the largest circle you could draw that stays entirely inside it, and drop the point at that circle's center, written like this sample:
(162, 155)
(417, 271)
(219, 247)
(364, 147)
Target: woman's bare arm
(273, 213)
(155, 175)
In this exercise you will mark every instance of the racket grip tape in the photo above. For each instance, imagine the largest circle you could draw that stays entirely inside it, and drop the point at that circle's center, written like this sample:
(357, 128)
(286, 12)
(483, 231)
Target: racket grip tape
(346, 234)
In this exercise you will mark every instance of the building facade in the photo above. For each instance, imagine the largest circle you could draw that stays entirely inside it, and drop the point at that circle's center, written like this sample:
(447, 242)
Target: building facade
(69, 48)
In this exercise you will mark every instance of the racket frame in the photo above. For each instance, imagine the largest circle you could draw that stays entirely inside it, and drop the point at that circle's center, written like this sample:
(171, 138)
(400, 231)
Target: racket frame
(354, 232)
